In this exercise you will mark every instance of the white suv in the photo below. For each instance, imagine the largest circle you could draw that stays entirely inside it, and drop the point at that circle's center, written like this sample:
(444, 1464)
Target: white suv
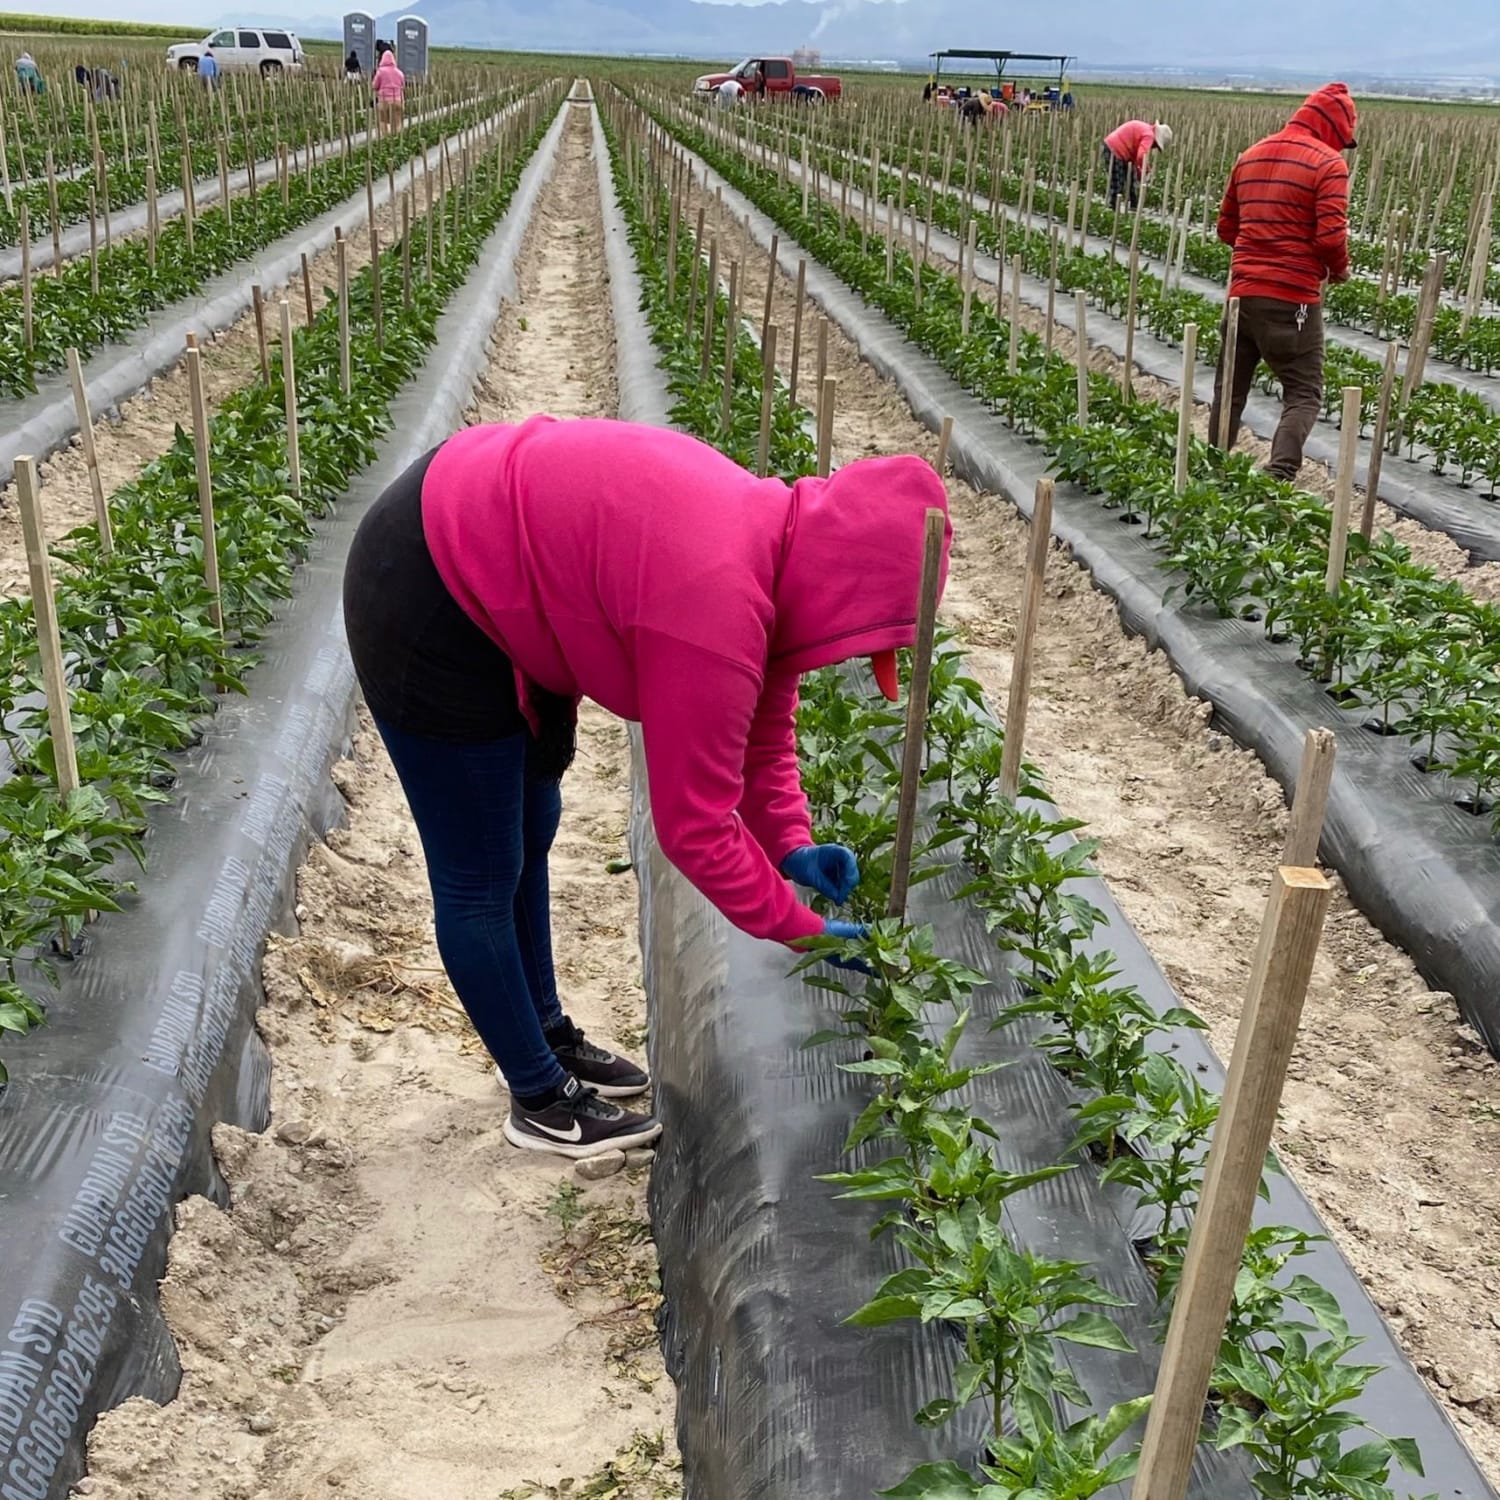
(242, 48)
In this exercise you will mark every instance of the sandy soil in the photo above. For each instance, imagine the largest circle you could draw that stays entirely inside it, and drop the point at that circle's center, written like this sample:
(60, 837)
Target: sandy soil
(1191, 828)
(398, 1304)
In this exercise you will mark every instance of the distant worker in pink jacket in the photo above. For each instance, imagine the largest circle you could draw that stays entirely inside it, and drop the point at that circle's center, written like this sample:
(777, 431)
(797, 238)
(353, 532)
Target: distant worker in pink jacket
(517, 569)
(1127, 155)
(389, 87)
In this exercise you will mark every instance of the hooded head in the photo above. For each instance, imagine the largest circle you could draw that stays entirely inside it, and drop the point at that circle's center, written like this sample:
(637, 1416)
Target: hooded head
(851, 569)
(1329, 114)
(1163, 135)
(387, 60)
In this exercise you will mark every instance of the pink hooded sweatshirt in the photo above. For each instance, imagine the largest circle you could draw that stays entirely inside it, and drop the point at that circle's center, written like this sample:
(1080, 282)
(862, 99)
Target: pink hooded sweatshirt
(641, 568)
(1132, 142)
(390, 82)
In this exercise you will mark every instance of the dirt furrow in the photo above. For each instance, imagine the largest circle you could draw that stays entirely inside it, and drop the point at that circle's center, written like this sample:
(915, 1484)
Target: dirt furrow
(1390, 1121)
(399, 1303)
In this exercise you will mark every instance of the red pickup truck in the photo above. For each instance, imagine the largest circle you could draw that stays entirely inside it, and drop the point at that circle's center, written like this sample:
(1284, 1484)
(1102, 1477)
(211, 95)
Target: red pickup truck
(764, 76)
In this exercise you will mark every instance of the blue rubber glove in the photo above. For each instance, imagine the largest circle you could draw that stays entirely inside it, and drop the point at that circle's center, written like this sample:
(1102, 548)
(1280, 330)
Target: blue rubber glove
(829, 869)
(850, 932)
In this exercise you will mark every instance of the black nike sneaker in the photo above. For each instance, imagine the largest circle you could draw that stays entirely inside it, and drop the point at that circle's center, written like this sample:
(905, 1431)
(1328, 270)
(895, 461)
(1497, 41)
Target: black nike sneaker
(578, 1123)
(610, 1076)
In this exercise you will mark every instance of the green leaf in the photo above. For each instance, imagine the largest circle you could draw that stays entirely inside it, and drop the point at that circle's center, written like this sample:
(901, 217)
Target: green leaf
(884, 1310)
(1095, 1330)
(944, 1481)
(1408, 1455)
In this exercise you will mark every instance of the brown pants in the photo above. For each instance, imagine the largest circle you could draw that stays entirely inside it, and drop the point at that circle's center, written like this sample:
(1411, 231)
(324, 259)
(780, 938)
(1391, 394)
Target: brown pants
(1269, 331)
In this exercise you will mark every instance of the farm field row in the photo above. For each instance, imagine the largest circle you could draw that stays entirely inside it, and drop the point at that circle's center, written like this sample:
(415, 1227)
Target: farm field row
(379, 1217)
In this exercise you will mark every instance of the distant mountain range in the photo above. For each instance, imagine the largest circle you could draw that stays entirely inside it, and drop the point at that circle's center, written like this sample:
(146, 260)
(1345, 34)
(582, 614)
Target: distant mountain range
(1392, 39)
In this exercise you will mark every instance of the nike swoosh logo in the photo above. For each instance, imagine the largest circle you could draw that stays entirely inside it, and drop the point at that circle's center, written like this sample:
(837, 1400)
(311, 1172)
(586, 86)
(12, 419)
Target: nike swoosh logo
(574, 1133)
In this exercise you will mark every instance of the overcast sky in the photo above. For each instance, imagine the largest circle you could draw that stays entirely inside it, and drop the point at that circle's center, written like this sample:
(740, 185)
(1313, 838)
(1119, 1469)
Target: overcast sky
(1385, 36)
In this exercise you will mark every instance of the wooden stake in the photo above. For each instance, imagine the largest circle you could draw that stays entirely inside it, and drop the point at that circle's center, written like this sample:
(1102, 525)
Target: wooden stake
(93, 243)
(765, 320)
(55, 218)
(257, 302)
(1013, 360)
(44, 608)
(289, 389)
(797, 329)
(1343, 488)
(1289, 938)
(346, 380)
(376, 305)
(28, 336)
(692, 308)
(967, 276)
(90, 454)
(933, 532)
(5, 187)
(1185, 406)
(731, 338)
(945, 437)
(822, 367)
(710, 308)
(1021, 657)
(1377, 441)
(151, 216)
(828, 394)
(1081, 342)
(1310, 800)
(767, 397)
(1051, 294)
(1127, 364)
(307, 292)
(187, 201)
(1226, 369)
(205, 485)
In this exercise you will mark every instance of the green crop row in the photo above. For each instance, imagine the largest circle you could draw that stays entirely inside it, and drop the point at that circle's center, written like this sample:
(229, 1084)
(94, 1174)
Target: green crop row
(68, 313)
(1286, 1378)
(1453, 427)
(137, 624)
(197, 128)
(1206, 254)
(1415, 655)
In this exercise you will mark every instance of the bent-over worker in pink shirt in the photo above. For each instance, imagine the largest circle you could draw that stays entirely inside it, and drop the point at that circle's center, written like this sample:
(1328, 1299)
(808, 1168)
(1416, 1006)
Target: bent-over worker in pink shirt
(517, 569)
(1127, 156)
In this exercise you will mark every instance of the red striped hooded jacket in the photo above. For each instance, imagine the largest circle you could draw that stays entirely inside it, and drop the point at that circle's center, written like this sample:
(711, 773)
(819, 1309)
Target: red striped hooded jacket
(1286, 209)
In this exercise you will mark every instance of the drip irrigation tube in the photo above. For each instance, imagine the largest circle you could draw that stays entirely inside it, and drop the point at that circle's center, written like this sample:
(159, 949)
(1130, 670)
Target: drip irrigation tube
(1425, 872)
(151, 1038)
(760, 1263)
(42, 423)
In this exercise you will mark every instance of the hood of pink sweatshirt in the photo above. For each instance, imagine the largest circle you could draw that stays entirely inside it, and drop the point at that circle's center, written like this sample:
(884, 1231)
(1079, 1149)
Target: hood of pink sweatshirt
(641, 568)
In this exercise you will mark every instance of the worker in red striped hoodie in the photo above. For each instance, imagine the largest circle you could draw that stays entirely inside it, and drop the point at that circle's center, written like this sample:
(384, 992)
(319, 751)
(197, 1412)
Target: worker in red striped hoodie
(1286, 216)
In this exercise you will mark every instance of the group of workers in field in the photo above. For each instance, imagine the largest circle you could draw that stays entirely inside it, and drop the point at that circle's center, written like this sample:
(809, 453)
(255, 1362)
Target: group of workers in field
(517, 569)
(388, 86)
(1285, 214)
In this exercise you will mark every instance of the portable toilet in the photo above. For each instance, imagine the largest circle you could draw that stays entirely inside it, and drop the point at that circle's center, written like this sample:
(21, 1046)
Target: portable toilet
(411, 46)
(359, 38)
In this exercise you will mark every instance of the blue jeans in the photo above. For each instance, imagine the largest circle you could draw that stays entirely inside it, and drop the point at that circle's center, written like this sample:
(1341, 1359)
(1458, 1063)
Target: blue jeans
(486, 829)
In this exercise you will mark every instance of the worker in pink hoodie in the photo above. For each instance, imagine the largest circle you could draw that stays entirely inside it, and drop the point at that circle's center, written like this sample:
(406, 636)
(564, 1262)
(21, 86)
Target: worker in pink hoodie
(389, 88)
(517, 569)
(1127, 156)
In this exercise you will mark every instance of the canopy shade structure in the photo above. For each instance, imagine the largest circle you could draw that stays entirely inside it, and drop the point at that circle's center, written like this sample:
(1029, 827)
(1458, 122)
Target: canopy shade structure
(1057, 62)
